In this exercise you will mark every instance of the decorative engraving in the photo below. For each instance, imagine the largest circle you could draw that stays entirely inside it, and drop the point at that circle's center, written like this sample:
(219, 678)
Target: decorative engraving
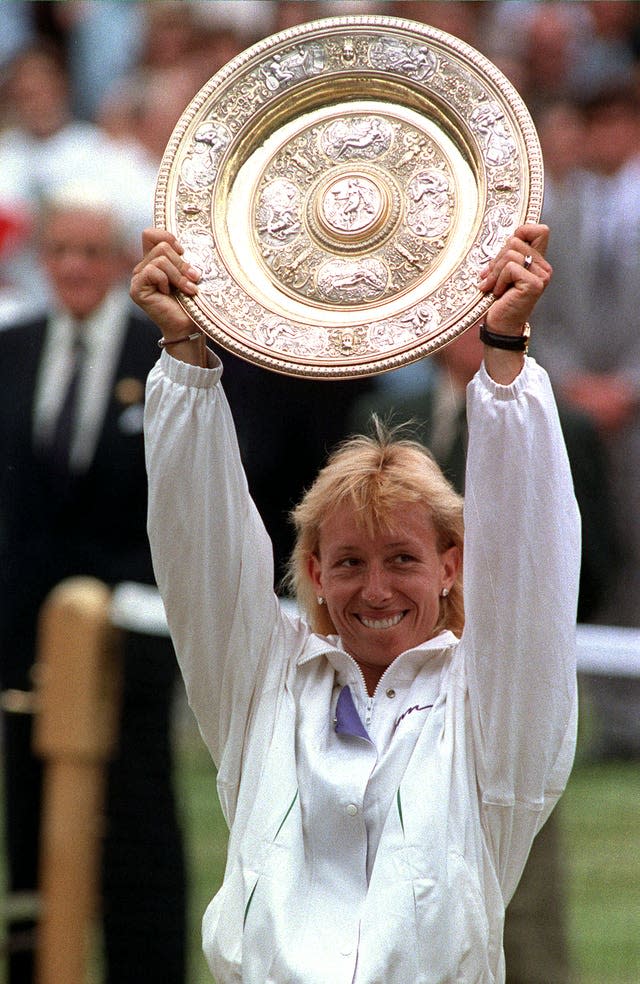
(430, 203)
(278, 217)
(200, 166)
(497, 227)
(421, 320)
(303, 62)
(361, 138)
(490, 123)
(351, 204)
(396, 55)
(348, 341)
(352, 281)
(355, 208)
(202, 254)
(349, 56)
(281, 334)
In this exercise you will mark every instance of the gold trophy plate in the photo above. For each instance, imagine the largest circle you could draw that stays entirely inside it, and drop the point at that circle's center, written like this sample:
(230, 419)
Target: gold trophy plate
(340, 186)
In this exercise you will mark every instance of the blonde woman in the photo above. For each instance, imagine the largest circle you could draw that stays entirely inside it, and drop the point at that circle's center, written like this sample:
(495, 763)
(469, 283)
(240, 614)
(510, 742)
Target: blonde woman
(382, 769)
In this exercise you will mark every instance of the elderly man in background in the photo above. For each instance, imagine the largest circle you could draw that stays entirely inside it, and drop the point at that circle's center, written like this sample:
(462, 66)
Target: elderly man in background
(73, 497)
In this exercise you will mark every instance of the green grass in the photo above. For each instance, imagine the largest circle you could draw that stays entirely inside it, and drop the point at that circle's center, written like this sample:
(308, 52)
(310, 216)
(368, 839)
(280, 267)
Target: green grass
(600, 817)
(205, 834)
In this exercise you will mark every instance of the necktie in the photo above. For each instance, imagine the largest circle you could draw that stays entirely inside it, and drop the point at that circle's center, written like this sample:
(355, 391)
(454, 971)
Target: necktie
(59, 447)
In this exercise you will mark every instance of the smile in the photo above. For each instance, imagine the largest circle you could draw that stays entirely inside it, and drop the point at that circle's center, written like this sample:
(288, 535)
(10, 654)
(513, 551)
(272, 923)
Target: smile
(381, 623)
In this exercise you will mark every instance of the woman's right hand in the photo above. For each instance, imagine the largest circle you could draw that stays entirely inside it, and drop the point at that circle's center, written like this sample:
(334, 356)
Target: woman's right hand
(162, 271)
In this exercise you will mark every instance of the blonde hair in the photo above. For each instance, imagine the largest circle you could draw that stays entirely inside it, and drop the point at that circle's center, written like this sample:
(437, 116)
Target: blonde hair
(375, 474)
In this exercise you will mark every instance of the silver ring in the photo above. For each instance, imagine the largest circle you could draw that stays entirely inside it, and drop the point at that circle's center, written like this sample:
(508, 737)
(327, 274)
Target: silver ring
(528, 260)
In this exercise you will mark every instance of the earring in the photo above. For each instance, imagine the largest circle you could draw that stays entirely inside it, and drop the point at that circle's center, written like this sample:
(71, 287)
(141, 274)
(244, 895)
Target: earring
(444, 592)
(320, 600)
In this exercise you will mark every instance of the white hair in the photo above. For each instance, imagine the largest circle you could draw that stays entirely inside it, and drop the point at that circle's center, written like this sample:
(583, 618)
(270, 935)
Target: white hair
(86, 196)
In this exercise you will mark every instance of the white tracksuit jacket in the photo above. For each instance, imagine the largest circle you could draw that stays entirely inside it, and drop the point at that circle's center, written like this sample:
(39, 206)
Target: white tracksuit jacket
(372, 840)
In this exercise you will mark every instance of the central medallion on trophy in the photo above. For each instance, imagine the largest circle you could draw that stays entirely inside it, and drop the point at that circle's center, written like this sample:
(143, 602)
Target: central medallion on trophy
(352, 207)
(352, 210)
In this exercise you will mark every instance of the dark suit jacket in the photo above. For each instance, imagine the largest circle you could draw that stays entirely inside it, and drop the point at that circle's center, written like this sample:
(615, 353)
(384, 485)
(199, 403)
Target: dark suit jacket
(99, 527)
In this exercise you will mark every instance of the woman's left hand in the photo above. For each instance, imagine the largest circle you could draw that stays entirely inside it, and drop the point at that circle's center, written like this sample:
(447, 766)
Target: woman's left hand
(517, 277)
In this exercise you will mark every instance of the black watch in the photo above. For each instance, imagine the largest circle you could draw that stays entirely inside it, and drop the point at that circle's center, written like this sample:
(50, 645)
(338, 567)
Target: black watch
(513, 343)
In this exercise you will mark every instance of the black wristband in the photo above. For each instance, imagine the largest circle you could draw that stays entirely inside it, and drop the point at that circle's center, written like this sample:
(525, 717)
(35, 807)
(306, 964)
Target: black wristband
(513, 343)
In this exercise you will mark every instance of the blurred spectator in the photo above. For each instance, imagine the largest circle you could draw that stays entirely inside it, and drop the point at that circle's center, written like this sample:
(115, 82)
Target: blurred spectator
(338, 8)
(555, 40)
(139, 114)
(80, 509)
(610, 53)
(462, 18)
(562, 133)
(167, 34)
(216, 47)
(290, 13)
(594, 359)
(103, 42)
(17, 29)
(41, 148)
(247, 20)
(564, 50)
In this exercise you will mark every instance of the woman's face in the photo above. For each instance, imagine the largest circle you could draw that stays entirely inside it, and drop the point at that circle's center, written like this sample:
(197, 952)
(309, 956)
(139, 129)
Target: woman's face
(382, 591)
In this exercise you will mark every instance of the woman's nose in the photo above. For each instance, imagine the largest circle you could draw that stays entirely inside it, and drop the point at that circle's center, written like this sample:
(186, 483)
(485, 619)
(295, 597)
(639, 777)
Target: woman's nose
(376, 588)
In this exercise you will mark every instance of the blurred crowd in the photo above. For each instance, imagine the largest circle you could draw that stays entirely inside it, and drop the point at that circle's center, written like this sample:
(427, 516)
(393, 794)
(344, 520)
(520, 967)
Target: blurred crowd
(92, 88)
(90, 91)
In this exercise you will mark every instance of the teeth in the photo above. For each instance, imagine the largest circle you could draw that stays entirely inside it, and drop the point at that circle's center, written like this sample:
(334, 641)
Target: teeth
(381, 623)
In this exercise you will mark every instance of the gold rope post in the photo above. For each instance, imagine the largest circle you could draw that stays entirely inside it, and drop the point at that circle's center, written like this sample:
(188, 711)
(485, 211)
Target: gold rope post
(78, 682)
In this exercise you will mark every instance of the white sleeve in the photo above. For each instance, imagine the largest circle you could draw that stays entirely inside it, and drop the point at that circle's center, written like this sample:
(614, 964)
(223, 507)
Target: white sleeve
(211, 554)
(521, 573)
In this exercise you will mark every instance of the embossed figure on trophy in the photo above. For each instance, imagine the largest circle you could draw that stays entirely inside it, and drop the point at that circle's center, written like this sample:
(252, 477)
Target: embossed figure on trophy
(283, 69)
(276, 334)
(356, 277)
(489, 122)
(359, 137)
(214, 281)
(415, 146)
(499, 223)
(416, 61)
(200, 167)
(429, 211)
(347, 338)
(292, 270)
(299, 275)
(278, 216)
(352, 282)
(355, 202)
(423, 319)
(349, 55)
